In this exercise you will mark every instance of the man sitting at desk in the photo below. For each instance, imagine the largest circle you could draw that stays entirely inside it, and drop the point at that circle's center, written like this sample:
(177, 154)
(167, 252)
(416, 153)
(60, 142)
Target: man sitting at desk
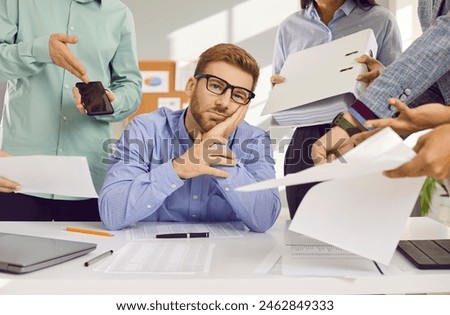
(184, 165)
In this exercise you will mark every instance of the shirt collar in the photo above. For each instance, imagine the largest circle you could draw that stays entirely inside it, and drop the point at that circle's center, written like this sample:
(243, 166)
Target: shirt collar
(347, 7)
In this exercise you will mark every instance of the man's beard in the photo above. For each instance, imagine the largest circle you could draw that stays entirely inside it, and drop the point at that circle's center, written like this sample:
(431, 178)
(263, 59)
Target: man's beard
(206, 124)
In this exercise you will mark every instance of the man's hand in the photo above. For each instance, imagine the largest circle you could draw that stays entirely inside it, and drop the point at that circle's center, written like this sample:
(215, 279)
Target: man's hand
(374, 69)
(432, 159)
(409, 120)
(210, 149)
(63, 57)
(7, 185)
(78, 102)
(225, 128)
(204, 153)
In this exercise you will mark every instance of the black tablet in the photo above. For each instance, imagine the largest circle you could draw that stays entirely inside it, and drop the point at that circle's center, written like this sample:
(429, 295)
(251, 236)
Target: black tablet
(427, 254)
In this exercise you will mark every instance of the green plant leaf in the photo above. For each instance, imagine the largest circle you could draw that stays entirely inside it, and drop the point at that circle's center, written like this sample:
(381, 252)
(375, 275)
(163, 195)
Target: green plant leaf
(425, 195)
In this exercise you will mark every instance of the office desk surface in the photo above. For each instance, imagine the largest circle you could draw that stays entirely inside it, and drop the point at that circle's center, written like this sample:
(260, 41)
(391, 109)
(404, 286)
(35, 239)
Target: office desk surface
(232, 269)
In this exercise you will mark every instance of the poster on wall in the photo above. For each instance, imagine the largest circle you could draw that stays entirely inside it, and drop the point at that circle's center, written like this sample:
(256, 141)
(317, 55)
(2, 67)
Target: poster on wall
(155, 81)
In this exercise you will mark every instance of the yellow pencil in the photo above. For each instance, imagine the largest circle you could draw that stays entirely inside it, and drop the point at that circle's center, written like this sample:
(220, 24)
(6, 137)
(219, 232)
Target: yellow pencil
(72, 229)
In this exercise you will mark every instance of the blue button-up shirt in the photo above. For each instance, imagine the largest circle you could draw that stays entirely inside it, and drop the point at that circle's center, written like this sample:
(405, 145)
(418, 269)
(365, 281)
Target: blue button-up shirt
(40, 116)
(304, 29)
(142, 185)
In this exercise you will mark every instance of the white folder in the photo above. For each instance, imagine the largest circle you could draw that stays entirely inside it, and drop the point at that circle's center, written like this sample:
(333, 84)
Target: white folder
(320, 76)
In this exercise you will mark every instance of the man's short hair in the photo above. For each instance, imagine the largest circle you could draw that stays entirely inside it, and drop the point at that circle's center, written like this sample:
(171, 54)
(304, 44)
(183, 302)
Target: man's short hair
(230, 54)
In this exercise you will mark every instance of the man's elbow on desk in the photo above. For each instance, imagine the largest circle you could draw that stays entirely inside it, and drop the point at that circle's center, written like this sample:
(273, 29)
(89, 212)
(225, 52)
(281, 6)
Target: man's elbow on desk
(109, 216)
(262, 222)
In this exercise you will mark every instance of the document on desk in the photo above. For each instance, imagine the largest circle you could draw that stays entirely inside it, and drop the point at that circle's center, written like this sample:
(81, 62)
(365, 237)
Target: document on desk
(356, 208)
(148, 230)
(59, 175)
(162, 257)
(310, 257)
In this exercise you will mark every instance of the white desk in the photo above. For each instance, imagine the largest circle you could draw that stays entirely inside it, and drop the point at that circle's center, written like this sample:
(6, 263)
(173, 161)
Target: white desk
(232, 269)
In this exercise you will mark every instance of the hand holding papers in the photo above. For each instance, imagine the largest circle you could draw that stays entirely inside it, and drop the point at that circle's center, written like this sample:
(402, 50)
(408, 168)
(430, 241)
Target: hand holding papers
(60, 175)
(357, 209)
(320, 81)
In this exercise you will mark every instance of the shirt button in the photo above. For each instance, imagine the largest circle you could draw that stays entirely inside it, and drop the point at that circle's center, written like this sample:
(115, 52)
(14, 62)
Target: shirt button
(173, 185)
(149, 206)
(66, 86)
(403, 97)
(72, 28)
(194, 215)
(227, 189)
(60, 149)
(408, 92)
(195, 197)
(65, 118)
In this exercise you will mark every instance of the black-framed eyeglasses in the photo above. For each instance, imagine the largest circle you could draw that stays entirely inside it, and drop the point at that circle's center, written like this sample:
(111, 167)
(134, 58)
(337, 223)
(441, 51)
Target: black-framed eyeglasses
(219, 86)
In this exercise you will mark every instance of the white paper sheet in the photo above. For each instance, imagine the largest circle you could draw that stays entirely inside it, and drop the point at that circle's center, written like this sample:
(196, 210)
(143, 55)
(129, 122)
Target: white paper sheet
(161, 257)
(357, 208)
(305, 256)
(59, 175)
(148, 230)
(323, 260)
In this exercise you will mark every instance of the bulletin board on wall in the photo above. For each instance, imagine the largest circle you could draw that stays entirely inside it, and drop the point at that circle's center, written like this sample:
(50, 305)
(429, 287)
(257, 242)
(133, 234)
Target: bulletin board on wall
(158, 87)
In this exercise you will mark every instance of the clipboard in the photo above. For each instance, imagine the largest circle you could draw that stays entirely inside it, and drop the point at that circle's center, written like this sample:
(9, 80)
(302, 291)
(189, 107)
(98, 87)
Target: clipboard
(316, 76)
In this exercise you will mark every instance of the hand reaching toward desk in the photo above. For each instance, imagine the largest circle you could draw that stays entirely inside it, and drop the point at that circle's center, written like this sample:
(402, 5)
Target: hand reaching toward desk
(432, 159)
(408, 121)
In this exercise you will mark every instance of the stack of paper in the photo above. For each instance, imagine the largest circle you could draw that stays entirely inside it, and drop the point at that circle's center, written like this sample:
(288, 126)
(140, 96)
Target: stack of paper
(315, 113)
(320, 81)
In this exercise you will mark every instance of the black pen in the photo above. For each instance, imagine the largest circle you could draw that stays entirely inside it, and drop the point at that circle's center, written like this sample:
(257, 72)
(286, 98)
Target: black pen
(183, 235)
(99, 257)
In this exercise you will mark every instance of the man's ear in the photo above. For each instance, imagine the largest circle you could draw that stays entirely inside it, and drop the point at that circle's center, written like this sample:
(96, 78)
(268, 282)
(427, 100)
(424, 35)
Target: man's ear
(190, 86)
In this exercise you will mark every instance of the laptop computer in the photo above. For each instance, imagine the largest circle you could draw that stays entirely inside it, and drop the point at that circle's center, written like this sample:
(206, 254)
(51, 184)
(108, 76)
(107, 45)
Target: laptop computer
(24, 253)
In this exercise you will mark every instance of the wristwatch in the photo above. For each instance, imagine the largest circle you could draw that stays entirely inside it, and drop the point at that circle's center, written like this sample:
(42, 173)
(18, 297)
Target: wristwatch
(340, 121)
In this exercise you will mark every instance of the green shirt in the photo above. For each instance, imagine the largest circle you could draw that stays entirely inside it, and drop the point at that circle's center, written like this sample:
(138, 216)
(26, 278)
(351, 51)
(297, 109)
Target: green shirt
(40, 116)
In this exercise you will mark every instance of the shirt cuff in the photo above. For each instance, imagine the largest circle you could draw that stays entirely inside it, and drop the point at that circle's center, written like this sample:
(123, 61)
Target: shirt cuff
(361, 112)
(40, 49)
(167, 178)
